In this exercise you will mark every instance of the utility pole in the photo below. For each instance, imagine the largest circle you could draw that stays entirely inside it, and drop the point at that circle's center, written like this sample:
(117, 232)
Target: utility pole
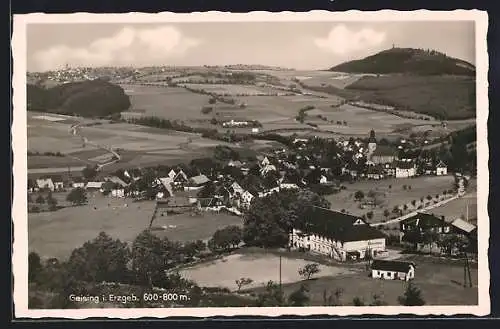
(280, 274)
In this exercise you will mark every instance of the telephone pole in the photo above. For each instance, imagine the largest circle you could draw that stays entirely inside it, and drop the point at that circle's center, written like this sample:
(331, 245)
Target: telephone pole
(280, 274)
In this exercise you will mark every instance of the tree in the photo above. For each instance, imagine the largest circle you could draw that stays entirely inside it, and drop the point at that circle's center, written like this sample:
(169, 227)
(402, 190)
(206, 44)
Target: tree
(386, 213)
(149, 257)
(227, 238)
(212, 100)
(35, 267)
(51, 201)
(359, 195)
(413, 203)
(29, 198)
(272, 296)
(309, 270)
(101, 259)
(299, 297)
(412, 296)
(377, 301)
(270, 219)
(358, 301)
(40, 199)
(77, 196)
(89, 172)
(369, 215)
(243, 282)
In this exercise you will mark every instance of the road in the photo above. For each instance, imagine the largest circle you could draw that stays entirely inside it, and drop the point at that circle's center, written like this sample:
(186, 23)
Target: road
(413, 213)
(76, 131)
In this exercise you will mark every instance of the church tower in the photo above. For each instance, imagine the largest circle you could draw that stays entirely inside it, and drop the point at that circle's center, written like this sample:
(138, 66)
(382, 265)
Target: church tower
(372, 143)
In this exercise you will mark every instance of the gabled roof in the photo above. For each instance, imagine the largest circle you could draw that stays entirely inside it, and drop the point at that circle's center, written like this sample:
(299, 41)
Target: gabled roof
(166, 182)
(424, 220)
(463, 225)
(441, 164)
(405, 164)
(117, 180)
(199, 180)
(391, 265)
(94, 185)
(337, 225)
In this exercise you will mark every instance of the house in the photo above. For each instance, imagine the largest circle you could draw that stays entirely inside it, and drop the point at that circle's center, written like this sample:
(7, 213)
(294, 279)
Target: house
(180, 179)
(172, 174)
(375, 172)
(235, 163)
(235, 188)
(405, 168)
(165, 188)
(337, 235)
(323, 180)
(58, 182)
(267, 168)
(392, 270)
(383, 154)
(196, 183)
(441, 169)
(31, 185)
(93, 185)
(114, 189)
(117, 180)
(265, 162)
(45, 183)
(460, 226)
(423, 222)
(78, 182)
(246, 199)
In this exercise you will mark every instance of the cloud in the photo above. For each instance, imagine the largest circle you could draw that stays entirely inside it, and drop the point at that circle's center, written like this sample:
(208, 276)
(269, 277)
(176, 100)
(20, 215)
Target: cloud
(128, 46)
(342, 41)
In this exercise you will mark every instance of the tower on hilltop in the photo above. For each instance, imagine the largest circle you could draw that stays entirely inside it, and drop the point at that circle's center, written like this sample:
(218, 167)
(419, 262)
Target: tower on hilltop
(372, 142)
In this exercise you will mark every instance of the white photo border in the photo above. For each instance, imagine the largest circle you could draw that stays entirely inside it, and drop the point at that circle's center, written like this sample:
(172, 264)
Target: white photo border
(19, 145)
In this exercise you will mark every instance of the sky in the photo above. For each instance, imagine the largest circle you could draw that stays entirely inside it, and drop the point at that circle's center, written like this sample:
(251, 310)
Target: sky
(299, 45)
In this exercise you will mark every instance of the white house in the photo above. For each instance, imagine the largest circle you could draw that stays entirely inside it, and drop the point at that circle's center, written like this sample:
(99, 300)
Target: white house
(45, 183)
(171, 174)
(94, 185)
(441, 169)
(337, 235)
(246, 198)
(267, 168)
(405, 168)
(58, 183)
(78, 182)
(392, 270)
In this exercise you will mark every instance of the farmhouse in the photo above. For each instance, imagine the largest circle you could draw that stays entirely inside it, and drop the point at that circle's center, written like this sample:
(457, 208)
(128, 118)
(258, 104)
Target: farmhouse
(422, 222)
(58, 182)
(246, 199)
(337, 235)
(196, 183)
(441, 169)
(392, 270)
(375, 172)
(180, 179)
(405, 168)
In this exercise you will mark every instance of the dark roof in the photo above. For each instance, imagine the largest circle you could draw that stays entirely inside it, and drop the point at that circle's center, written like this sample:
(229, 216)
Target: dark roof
(384, 150)
(405, 164)
(337, 225)
(391, 265)
(424, 220)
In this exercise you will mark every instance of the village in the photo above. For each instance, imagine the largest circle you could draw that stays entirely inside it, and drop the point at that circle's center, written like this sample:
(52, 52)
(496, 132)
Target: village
(228, 183)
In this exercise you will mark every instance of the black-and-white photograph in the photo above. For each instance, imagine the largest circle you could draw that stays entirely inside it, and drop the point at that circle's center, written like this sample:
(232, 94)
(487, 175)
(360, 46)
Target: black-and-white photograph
(214, 162)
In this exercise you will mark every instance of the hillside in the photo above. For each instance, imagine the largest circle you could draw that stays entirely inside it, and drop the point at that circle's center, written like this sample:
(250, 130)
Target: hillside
(409, 61)
(95, 98)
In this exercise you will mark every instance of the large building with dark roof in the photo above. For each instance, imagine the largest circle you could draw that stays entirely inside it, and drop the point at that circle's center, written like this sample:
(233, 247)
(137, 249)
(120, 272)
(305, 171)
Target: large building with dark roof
(337, 235)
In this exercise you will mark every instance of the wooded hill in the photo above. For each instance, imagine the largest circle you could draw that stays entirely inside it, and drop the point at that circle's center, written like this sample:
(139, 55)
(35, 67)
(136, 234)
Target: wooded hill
(92, 98)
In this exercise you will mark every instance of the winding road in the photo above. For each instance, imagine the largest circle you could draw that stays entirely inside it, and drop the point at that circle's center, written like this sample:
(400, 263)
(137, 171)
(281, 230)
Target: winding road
(75, 130)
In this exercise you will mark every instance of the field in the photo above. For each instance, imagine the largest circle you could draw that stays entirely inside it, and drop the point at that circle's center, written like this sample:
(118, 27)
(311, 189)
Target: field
(448, 97)
(191, 227)
(43, 161)
(171, 103)
(230, 90)
(440, 284)
(259, 267)
(56, 234)
(390, 197)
